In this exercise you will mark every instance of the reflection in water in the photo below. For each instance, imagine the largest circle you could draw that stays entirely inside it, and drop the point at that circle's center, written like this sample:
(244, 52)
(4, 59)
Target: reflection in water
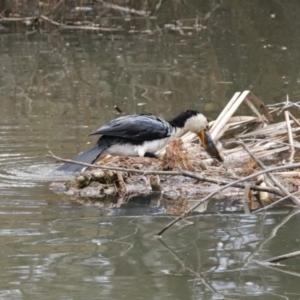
(56, 87)
(111, 255)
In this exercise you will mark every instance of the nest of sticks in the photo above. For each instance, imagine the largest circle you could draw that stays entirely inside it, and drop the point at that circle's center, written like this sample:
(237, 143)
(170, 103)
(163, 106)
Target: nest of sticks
(184, 172)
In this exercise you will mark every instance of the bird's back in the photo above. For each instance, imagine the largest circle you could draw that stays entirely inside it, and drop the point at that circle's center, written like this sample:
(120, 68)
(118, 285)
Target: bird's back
(136, 127)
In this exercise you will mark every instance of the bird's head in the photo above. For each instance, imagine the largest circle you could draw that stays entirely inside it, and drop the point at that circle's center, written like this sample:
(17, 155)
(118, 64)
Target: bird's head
(194, 121)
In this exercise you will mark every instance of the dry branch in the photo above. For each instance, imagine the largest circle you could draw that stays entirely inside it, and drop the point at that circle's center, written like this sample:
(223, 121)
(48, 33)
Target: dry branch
(245, 199)
(290, 134)
(125, 9)
(294, 119)
(275, 202)
(185, 214)
(272, 234)
(282, 257)
(294, 199)
(62, 26)
(232, 106)
(50, 21)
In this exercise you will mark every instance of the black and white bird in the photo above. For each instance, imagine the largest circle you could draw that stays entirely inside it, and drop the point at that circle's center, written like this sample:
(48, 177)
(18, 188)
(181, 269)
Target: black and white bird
(139, 135)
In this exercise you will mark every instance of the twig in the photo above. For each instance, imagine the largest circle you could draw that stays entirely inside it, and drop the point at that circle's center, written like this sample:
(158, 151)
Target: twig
(294, 119)
(294, 199)
(118, 109)
(56, 7)
(268, 141)
(232, 106)
(92, 28)
(224, 116)
(43, 17)
(223, 182)
(183, 215)
(173, 173)
(286, 105)
(125, 9)
(274, 203)
(261, 106)
(282, 257)
(112, 168)
(121, 182)
(17, 19)
(253, 108)
(158, 5)
(184, 265)
(245, 199)
(269, 266)
(273, 233)
(186, 213)
(290, 134)
(63, 26)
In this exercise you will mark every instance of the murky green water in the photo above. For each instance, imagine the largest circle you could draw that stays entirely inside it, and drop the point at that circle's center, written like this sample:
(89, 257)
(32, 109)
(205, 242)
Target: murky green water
(57, 87)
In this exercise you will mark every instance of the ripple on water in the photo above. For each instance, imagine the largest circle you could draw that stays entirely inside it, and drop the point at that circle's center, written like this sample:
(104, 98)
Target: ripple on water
(18, 173)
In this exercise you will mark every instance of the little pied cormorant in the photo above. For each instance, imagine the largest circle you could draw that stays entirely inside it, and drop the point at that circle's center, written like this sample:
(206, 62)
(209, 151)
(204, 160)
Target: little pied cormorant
(139, 135)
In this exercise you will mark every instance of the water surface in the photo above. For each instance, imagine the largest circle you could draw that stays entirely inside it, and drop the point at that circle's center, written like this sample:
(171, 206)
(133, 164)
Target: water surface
(56, 87)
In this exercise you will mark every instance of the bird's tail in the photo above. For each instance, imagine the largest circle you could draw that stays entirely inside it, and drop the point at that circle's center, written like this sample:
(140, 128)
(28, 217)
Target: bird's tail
(88, 156)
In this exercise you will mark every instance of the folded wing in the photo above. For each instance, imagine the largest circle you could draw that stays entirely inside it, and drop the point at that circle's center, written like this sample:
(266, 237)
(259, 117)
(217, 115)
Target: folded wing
(137, 127)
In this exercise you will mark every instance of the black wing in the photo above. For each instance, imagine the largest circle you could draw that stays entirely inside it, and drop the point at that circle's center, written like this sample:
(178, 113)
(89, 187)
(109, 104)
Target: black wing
(139, 127)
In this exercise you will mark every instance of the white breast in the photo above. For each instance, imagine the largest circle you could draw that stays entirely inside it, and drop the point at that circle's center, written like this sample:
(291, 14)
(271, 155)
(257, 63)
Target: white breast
(140, 150)
(122, 150)
(152, 146)
(137, 150)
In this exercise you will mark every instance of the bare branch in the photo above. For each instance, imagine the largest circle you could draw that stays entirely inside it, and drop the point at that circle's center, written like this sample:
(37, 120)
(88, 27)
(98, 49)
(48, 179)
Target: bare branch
(296, 165)
(125, 9)
(282, 257)
(51, 21)
(275, 202)
(273, 233)
(294, 199)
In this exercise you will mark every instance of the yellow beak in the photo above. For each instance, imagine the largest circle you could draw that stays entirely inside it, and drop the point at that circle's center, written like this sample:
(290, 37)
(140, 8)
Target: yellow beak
(201, 135)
